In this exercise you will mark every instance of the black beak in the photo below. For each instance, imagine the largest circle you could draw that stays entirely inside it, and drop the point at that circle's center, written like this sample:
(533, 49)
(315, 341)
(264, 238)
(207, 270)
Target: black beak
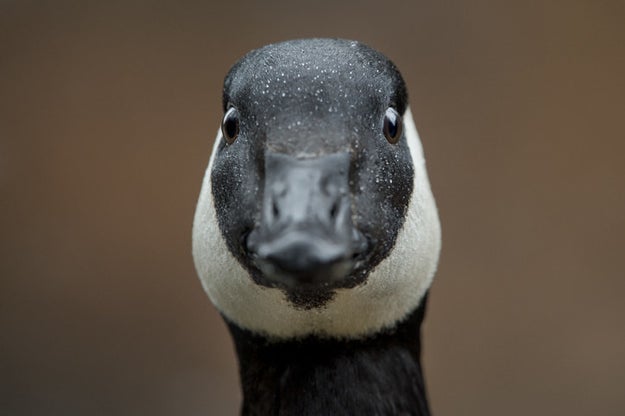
(306, 238)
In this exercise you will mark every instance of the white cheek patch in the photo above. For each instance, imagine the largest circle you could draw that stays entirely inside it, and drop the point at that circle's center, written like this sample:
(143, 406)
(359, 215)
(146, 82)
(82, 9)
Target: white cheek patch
(392, 290)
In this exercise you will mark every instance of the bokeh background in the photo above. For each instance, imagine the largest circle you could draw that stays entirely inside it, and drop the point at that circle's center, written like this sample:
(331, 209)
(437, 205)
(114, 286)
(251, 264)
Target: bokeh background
(107, 115)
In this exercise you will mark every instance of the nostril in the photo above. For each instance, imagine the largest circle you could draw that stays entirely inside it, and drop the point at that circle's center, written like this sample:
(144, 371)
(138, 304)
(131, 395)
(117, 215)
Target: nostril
(275, 210)
(334, 210)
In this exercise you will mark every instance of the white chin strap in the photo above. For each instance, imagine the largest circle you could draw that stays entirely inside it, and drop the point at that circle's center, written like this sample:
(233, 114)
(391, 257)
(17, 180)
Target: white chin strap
(392, 290)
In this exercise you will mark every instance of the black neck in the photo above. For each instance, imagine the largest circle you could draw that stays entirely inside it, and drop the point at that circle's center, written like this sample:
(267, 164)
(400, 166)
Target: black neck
(380, 375)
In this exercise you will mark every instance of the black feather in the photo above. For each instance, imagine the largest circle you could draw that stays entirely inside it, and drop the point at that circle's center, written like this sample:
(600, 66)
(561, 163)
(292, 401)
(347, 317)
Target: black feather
(379, 375)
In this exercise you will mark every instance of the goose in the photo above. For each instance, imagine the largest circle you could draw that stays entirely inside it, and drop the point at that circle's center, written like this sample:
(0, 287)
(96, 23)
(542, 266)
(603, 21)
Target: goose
(316, 235)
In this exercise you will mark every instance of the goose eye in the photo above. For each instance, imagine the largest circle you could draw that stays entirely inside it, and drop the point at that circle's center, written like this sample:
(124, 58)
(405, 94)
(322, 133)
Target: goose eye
(393, 125)
(230, 125)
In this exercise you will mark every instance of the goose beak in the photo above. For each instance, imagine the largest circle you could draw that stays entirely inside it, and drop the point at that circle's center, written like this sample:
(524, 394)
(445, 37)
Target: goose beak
(306, 238)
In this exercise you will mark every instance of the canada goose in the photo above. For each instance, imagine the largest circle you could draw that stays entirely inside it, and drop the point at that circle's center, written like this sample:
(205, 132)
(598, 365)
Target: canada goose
(316, 234)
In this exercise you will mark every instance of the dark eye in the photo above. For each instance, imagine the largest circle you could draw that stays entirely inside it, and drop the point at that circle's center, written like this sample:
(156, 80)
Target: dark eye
(393, 125)
(230, 125)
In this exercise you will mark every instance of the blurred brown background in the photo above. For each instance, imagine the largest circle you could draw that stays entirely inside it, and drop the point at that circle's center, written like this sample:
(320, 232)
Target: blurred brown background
(107, 114)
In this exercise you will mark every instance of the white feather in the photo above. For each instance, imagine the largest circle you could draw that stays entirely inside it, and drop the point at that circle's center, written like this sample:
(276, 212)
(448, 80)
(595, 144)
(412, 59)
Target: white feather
(392, 290)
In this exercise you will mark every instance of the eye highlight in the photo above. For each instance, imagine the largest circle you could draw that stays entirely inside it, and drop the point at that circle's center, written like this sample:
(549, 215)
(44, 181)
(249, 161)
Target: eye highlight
(393, 125)
(230, 125)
